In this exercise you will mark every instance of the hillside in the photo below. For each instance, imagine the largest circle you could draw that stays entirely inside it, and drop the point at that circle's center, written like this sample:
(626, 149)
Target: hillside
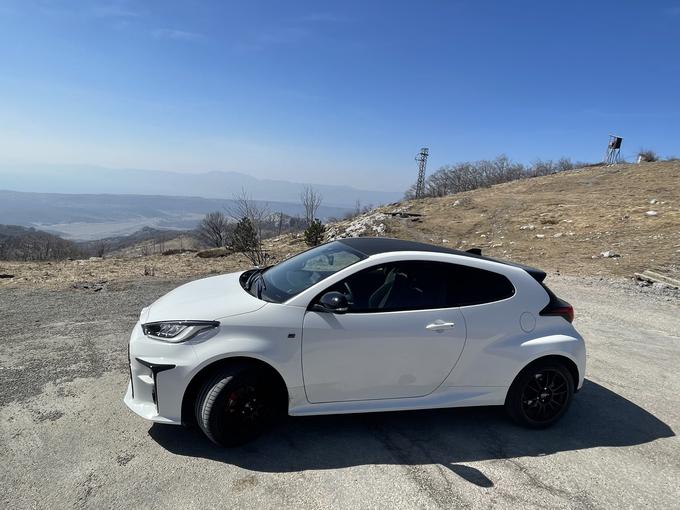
(85, 179)
(91, 217)
(561, 223)
(145, 241)
(21, 243)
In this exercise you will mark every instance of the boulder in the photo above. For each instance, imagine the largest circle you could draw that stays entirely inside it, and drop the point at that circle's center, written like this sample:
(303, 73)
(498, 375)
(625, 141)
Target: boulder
(214, 252)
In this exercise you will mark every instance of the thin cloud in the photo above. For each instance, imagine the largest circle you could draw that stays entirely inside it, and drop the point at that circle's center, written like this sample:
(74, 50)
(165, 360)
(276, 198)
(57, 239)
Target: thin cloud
(176, 35)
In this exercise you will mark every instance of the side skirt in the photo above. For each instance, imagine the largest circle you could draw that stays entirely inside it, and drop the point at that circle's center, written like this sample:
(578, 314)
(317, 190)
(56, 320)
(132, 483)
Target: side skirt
(466, 396)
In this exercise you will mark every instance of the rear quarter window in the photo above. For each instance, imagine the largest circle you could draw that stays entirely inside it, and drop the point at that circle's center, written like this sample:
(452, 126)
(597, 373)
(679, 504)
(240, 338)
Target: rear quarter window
(473, 286)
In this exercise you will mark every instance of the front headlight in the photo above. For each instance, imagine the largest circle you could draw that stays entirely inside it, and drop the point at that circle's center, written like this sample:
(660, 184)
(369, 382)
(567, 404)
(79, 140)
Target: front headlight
(176, 331)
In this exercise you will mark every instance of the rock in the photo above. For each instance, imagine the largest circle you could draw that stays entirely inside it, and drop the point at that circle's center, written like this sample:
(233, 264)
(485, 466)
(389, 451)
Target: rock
(527, 227)
(559, 234)
(372, 222)
(653, 201)
(5, 275)
(457, 202)
(445, 241)
(214, 252)
(610, 255)
(93, 286)
(540, 236)
(652, 213)
(178, 251)
(379, 229)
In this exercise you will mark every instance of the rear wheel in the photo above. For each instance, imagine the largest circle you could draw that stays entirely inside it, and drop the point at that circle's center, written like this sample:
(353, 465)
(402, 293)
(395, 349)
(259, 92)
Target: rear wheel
(236, 405)
(540, 394)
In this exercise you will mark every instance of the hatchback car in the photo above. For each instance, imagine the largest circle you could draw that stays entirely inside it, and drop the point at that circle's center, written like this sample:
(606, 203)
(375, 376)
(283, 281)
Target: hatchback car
(351, 326)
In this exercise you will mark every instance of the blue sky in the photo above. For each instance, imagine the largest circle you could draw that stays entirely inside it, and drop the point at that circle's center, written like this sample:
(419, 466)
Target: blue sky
(336, 92)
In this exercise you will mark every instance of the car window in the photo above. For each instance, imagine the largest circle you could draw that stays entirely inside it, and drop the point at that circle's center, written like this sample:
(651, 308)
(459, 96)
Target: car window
(473, 286)
(290, 277)
(330, 262)
(421, 285)
(411, 285)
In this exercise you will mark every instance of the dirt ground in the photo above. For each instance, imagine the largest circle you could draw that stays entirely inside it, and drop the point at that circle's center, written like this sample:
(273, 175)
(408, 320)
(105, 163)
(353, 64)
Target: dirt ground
(68, 441)
(116, 271)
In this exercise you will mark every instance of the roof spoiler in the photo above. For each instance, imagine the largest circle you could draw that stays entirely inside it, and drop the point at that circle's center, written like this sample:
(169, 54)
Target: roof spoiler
(536, 274)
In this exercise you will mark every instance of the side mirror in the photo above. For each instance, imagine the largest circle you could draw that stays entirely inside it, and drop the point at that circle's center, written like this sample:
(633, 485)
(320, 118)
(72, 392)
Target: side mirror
(334, 302)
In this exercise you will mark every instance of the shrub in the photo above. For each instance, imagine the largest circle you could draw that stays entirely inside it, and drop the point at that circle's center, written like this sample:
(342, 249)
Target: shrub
(314, 234)
(244, 236)
(647, 155)
(245, 239)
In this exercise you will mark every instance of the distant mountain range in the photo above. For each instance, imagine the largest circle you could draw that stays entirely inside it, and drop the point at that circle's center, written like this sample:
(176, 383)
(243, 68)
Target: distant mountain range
(89, 216)
(77, 179)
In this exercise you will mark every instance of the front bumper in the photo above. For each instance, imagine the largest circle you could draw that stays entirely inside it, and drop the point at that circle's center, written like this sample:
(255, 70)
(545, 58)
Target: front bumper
(159, 375)
(145, 409)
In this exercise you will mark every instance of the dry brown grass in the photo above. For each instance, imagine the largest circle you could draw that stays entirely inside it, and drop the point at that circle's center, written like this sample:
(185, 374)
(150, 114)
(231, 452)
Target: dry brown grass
(115, 270)
(580, 213)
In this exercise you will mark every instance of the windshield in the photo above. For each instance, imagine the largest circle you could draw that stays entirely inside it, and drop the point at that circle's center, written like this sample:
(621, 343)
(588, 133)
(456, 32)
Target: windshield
(281, 282)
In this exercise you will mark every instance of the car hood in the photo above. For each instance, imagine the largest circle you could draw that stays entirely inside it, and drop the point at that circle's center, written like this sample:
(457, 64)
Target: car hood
(206, 299)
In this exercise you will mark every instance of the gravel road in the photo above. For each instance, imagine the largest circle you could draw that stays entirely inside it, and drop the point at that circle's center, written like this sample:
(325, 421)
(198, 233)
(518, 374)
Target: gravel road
(67, 440)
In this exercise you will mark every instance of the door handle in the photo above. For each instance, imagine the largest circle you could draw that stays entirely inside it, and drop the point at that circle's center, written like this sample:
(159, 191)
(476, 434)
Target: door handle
(440, 326)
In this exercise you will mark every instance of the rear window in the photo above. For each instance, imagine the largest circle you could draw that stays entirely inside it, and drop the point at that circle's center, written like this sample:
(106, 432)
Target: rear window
(473, 286)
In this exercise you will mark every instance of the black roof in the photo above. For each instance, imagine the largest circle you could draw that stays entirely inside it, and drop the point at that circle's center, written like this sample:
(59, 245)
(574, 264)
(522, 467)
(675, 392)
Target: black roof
(375, 245)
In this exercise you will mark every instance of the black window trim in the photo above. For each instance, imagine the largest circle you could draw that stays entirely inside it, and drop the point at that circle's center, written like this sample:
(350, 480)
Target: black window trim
(316, 298)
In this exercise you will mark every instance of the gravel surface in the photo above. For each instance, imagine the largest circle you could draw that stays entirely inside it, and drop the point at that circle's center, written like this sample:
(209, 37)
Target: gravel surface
(67, 440)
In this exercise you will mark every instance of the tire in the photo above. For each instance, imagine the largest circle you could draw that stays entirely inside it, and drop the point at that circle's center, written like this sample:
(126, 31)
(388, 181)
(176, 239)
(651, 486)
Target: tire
(540, 394)
(236, 405)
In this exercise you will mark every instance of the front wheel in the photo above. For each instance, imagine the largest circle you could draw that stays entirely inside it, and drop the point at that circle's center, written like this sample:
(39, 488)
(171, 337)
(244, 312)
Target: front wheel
(540, 394)
(236, 405)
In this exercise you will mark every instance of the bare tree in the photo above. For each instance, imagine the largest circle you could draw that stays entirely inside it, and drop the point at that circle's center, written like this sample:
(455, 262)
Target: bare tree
(471, 175)
(243, 207)
(311, 201)
(19, 243)
(214, 229)
(100, 248)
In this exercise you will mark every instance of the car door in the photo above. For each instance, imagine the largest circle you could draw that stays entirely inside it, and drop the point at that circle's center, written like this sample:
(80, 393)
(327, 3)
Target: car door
(396, 340)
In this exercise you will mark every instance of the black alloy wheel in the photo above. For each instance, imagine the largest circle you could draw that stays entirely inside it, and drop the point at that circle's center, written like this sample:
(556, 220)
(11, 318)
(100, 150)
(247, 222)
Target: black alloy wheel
(545, 395)
(540, 394)
(237, 404)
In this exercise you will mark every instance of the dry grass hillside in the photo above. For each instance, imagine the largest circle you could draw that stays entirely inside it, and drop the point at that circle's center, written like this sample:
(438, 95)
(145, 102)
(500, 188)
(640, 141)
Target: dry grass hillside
(562, 222)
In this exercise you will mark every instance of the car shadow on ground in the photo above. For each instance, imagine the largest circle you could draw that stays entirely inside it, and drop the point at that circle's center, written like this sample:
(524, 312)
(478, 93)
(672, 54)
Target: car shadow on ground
(598, 417)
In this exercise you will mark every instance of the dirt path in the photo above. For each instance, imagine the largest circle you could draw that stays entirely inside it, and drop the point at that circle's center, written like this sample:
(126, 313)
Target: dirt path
(67, 440)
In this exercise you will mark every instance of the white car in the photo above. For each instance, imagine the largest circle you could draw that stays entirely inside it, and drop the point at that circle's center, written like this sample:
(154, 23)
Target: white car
(352, 326)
